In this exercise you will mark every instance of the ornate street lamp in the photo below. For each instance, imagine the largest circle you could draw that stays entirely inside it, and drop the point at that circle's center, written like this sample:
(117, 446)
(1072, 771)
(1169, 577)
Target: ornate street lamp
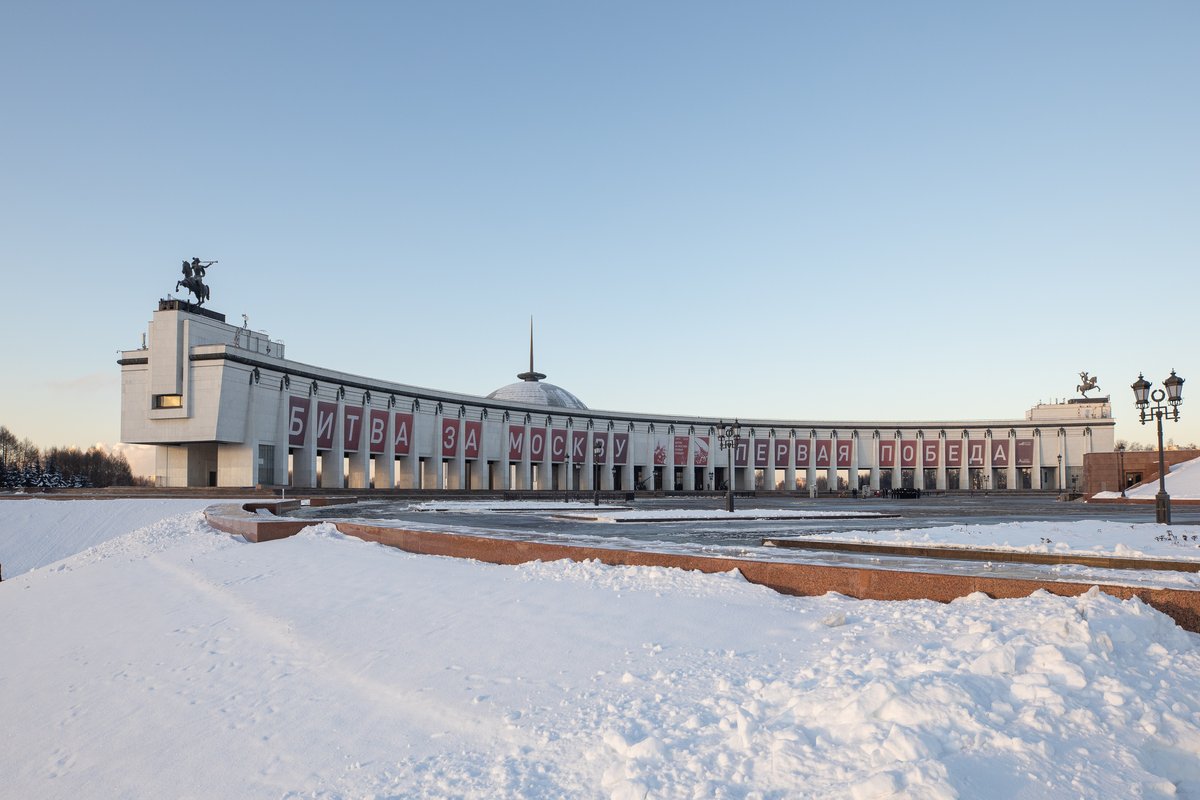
(1143, 396)
(727, 438)
(597, 453)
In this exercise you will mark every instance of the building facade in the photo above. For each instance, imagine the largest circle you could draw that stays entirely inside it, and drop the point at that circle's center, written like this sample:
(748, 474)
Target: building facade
(225, 407)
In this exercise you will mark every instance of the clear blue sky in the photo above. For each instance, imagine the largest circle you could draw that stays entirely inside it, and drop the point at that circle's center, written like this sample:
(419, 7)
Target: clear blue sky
(912, 210)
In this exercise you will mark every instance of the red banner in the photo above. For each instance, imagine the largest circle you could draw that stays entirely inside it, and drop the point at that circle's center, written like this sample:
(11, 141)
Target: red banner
(975, 452)
(681, 450)
(449, 443)
(579, 453)
(700, 459)
(599, 447)
(402, 432)
(802, 453)
(783, 451)
(558, 446)
(620, 446)
(929, 453)
(660, 451)
(1024, 452)
(537, 444)
(843, 452)
(908, 452)
(472, 433)
(1000, 452)
(762, 450)
(377, 430)
(297, 420)
(351, 427)
(516, 442)
(326, 414)
(823, 453)
(741, 453)
(954, 452)
(887, 453)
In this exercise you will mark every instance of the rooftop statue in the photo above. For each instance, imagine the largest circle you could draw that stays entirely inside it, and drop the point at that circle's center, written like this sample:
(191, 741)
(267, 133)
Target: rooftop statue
(1087, 385)
(193, 279)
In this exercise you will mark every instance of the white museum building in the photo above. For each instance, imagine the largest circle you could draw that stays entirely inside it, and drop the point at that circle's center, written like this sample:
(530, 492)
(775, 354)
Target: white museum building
(224, 406)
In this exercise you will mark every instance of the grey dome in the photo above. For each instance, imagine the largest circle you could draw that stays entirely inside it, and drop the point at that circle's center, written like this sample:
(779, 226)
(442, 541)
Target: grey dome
(530, 388)
(537, 393)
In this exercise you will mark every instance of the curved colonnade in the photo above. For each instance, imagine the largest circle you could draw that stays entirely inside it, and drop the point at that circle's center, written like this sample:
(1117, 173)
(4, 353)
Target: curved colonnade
(226, 408)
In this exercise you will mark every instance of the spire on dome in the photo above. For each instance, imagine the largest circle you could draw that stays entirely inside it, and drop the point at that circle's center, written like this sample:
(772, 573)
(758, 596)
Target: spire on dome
(531, 375)
(533, 390)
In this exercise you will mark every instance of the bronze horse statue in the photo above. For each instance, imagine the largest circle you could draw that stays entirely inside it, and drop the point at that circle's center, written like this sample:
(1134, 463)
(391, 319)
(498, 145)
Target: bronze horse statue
(193, 279)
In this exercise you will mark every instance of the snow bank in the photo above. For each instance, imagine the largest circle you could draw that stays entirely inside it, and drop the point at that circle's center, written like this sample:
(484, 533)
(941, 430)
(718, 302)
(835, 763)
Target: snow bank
(34, 533)
(176, 661)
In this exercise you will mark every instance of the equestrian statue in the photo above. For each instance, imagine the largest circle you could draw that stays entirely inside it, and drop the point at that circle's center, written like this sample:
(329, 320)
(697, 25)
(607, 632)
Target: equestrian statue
(1087, 385)
(193, 279)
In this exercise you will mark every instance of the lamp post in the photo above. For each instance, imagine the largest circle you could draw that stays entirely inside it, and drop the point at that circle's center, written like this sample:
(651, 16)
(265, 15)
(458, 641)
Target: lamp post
(597, 454)
(727, 438)
(1142, 399)
(1121, 468)
(1059, 479)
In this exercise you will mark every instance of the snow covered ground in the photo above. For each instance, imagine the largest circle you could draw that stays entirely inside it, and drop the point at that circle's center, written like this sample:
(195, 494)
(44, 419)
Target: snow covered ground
(34, 533)
(1183, 483)
(164, 659)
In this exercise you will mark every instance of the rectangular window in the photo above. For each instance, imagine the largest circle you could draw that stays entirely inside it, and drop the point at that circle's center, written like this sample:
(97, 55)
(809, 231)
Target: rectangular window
(930, 478)
(168, 401)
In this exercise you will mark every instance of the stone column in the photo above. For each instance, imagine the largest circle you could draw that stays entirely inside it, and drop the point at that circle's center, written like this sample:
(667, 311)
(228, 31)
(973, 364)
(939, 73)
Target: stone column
(1035, 472)
(789, 470)
(333, 461)
(875, 461)
(546, 467)
(281, 438)
(810, 473)
(941, 474)
(1012, 459)
(410, 466)
(360, 457)
(987, 460)
(431, 469)
(831, 470)
(897, 469)
(853, 474)
(606, 465)
(919, 463)
(525, 474)
(964, 472)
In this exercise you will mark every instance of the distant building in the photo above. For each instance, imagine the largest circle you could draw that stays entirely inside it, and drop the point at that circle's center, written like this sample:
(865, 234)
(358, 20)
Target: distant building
(225, 407)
